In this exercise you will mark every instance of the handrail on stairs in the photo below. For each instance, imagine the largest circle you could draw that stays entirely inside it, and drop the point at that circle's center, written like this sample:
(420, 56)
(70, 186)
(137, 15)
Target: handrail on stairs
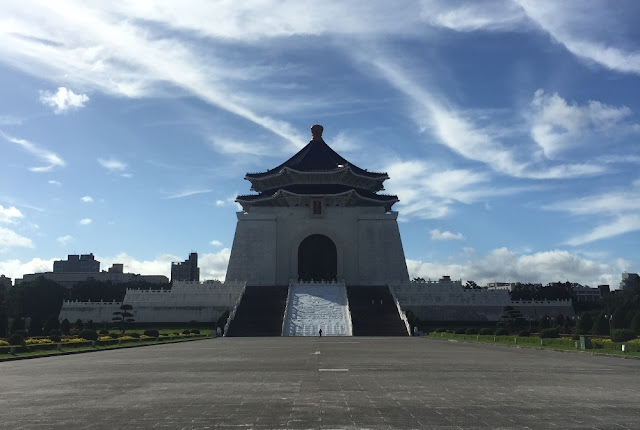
(403, 316)
(232, 314)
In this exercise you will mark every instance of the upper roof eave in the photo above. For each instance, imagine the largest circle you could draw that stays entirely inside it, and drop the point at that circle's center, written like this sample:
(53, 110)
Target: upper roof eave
(263, 176)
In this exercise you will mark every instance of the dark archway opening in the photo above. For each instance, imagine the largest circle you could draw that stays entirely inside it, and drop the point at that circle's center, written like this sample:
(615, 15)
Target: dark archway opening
(317, 258)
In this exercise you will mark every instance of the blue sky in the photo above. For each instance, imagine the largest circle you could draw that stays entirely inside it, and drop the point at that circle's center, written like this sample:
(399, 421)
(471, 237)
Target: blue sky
(510, 130)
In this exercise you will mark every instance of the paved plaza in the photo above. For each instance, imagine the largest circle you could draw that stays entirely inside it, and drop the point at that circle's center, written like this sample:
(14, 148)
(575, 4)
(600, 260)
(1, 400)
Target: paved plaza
(328, 383)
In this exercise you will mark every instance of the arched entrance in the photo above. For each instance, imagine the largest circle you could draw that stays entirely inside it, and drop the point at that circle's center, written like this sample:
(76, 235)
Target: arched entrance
(317, 258)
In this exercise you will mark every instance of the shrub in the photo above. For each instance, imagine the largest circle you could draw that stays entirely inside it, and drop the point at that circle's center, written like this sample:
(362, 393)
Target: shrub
(176, 333)
(88, 334)
(575, 336)
(103, 332)
(622, 334)
(135, 335)
(186, 331)
(501, 332)
(22, 333)
(441, 330)
(113, 335)
(485, 331)
(471, 330)
(151, 333)
(55, 332)
(16, 339)
(524, 333)
(195, 331)
(55, 337)
(549, 332)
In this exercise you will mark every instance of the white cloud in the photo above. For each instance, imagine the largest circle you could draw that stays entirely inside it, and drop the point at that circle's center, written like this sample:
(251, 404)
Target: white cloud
(216, 243)
(242, 148)
(63, 100)
(212, 265)
(54, 182)
(504, 265)
(488, 15)
(445, 235)
(112, 164)
(428, 190)
(10, 214)
(63, 240)
(16, 269)
(87, 199)
(557, 124)
(187, 193)
(86, 221)
(10, 239)
(52, 160)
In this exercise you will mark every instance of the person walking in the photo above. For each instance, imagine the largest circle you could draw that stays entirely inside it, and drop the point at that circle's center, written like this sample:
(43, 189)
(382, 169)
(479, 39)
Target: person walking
(320, 332)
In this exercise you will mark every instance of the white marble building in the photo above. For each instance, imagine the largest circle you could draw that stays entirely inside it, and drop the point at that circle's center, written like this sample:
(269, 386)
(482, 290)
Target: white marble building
(317, 216)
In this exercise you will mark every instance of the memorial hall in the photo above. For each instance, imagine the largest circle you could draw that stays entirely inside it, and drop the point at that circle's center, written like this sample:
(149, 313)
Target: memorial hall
(317, 250)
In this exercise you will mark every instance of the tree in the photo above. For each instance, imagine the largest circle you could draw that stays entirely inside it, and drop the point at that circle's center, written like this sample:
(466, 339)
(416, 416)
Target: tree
(123, 316)
(545, 322)
(635, 323)
(79, 325)
(618, 319)
(471, 285)
(584, 324)
(559, 320)
(51, 324)
(418, 279)
(65, 327)
(601, 324)
(511, 318)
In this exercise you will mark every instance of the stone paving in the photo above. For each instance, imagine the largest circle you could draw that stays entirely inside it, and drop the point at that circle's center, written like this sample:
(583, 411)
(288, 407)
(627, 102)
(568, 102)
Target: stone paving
(328, 383)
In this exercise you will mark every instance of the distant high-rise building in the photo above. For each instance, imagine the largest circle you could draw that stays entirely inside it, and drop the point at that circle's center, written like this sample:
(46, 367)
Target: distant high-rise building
(630, 281)
(5, 282)
(85, 263)
(187, 270)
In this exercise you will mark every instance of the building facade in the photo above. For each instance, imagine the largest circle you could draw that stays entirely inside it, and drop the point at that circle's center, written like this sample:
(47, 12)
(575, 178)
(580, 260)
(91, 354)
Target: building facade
(85, 263)
(317, 217)
(187, 270)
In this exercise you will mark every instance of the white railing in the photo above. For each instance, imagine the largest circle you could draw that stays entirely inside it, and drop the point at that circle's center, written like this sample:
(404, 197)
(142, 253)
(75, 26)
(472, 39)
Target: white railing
(403, 316)
(232, 314)
(286, 311)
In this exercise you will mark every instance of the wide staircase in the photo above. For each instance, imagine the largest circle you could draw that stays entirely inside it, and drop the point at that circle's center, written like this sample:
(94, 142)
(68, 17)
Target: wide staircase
(374, 312)
(260, 312)
(317, 306)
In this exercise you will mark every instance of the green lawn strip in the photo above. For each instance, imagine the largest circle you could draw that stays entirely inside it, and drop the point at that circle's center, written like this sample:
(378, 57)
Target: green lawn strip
(558, 344)
(68, 350)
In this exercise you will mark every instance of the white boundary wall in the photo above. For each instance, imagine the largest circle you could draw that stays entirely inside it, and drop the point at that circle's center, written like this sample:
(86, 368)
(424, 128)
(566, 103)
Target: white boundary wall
(449, 301)
(184, 302)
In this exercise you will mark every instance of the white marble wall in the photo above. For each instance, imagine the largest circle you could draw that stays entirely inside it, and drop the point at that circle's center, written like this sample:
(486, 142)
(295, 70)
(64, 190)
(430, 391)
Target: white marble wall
(184, 302)
(449, 301)
(369, 248)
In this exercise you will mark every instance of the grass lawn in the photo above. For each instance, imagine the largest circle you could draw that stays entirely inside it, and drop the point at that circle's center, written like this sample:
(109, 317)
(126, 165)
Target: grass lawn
(600, 346)
(129, 343)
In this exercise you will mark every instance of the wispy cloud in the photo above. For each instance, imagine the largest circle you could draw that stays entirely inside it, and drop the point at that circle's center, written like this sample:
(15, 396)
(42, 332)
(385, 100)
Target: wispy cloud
(64, 240)
(87, 199)
(464, 135)
(54, 182)
(52, 160)
(216, 243)
(617, 210)
(187, 193)
(10, 214)
(445, 235)
(86, 221)
(115, 166)
(583, 28)
(494, 15)
(63, 100)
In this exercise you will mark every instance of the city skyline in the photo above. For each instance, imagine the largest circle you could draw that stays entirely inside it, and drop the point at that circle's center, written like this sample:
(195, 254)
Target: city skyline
(509, 130)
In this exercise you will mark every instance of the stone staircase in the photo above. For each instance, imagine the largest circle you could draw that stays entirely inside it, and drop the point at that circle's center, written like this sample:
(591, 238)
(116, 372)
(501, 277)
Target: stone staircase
(314, 306)
(260, 312)
(374, 312)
